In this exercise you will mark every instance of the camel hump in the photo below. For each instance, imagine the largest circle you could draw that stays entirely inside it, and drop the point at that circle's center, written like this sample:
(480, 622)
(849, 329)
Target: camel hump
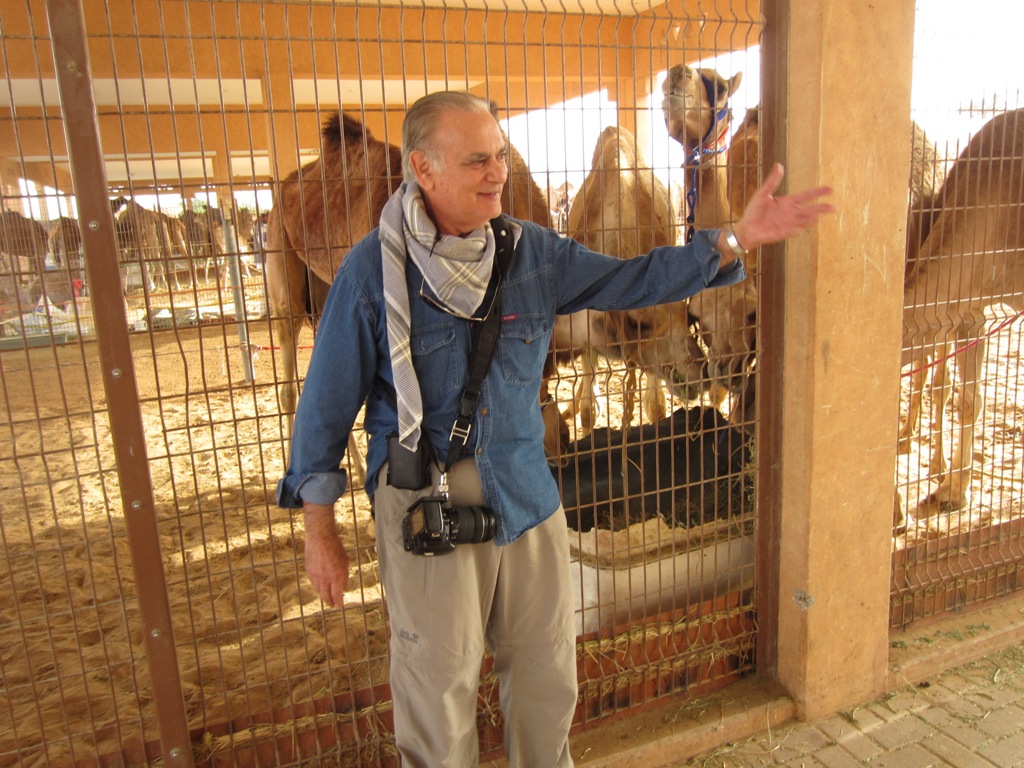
(340, 128)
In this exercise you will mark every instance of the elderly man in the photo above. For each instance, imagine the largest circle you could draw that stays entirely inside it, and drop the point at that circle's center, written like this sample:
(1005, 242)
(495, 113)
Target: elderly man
(472, 552)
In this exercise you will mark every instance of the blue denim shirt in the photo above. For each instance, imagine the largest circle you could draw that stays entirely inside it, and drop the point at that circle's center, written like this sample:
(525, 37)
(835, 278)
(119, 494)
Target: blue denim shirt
(351, 364)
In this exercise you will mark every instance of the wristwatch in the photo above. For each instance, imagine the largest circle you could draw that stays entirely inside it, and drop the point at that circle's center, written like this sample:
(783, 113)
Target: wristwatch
(732, 242)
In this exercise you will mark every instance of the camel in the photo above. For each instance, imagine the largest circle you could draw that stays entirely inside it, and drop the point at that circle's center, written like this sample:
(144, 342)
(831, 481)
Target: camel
(65, 243)
(971, 259)
(698, 117)
(623, 210)
(727, 320)
(928, 172)
(150, 237)
(24, 240)
(205, 233)
(322, 211)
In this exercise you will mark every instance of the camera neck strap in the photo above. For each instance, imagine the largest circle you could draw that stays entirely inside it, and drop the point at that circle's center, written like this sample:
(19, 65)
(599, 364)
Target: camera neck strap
(484, 343)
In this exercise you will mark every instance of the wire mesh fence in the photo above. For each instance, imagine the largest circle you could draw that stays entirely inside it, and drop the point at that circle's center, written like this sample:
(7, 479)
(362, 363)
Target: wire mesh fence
(958, 507)
(202, 109)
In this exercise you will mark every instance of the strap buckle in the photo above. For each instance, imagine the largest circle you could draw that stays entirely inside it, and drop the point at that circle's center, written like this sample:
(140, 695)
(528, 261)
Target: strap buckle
(461, 432)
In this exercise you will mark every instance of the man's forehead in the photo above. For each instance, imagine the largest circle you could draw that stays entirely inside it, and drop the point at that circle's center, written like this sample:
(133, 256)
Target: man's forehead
(476, 136)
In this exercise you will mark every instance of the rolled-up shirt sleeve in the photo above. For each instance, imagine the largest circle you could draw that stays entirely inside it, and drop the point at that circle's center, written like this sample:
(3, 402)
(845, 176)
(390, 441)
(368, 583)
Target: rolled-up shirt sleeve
(709, 260)
(314, 487)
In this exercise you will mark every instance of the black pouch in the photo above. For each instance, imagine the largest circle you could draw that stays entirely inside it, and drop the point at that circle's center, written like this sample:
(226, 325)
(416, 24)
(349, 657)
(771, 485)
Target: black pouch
(408, 470)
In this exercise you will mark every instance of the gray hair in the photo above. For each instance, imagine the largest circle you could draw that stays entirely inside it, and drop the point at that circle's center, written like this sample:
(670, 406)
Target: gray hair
(419, 131)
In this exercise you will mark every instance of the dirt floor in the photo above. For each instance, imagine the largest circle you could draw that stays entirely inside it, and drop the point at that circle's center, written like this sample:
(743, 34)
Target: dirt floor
(250, 632)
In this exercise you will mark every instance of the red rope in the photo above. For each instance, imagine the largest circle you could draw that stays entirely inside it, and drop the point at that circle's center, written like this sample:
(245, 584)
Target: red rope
(265, 347)
(965, 347)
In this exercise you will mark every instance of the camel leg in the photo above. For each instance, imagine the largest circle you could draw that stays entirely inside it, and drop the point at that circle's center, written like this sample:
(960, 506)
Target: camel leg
(286, 295)
(941, 391)
(952, 490)
(654, 399)
(586, 394)
(358, 462)
(629, 385)
(909, 426)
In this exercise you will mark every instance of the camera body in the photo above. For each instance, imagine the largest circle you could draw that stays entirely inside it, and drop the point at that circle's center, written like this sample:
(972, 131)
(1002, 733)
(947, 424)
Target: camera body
(429, 528)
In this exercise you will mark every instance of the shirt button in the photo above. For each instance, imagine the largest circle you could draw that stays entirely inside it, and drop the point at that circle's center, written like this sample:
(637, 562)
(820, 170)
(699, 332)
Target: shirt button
(479, 451)
(483, 411)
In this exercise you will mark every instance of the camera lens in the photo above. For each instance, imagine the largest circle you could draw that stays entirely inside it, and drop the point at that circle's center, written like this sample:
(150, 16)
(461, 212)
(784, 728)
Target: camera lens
(472, 525)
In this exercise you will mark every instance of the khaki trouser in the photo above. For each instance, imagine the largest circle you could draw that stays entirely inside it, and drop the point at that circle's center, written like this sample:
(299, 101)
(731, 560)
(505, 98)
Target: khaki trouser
(443, 609)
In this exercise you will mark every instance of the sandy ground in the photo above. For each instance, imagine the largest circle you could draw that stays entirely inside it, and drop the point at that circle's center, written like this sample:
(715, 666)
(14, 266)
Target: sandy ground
(250, 632)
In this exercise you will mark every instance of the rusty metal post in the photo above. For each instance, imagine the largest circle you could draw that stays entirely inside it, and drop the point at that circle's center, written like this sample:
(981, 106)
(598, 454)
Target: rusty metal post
(81, 128)
(238, 296)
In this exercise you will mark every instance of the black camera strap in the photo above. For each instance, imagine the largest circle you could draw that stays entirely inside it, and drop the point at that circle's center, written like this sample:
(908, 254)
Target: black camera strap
(484, 344)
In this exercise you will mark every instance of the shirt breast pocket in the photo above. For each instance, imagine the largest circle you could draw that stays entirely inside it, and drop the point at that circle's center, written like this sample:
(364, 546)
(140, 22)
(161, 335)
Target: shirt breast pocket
(523, 346)
(435, 361)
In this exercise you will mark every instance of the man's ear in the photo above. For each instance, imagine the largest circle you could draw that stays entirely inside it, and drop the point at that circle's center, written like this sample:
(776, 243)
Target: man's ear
(420, 165)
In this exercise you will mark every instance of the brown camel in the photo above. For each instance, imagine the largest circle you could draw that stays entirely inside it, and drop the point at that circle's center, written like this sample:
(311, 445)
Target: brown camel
(322, 211)
(623, 210)
(971, 258)
(24, 240)
(150, 237)
(65, 243)
(728, 319)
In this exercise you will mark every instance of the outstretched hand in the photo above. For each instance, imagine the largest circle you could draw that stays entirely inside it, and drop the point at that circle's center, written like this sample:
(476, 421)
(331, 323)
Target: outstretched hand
(769, 219)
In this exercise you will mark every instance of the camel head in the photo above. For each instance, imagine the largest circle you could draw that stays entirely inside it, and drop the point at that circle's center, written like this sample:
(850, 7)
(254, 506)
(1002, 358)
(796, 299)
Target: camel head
(615, 149)
(727, 320)
(695, 106)
(658, 338)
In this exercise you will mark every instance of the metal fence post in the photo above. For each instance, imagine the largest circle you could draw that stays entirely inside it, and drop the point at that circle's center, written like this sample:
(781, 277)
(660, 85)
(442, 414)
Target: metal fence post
(81, 128)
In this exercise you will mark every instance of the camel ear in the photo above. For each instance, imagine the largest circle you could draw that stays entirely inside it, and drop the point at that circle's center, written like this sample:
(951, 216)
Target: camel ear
(734, 83)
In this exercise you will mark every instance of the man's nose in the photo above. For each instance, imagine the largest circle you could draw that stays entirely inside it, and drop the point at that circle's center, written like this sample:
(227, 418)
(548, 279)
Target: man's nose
(498, 170)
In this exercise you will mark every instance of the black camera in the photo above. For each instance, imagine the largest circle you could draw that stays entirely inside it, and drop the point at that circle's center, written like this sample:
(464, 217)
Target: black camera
(429, 528)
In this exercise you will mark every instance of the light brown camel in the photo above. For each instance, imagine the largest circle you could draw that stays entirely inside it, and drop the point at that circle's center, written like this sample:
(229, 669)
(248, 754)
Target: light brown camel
(698, 117)
(322, 211)
(24, 240)
(151, 238)
(697, 114)
(205, 232)
(623, 209)
(928, 173)
(728, 319)
(971, 259)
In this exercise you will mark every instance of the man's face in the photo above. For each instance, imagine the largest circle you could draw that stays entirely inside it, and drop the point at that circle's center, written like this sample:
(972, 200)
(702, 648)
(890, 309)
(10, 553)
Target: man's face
(465, 193)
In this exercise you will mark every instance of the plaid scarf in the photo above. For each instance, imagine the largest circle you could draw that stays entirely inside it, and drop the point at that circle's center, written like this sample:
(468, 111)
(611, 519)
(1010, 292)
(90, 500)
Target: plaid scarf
(456, 270)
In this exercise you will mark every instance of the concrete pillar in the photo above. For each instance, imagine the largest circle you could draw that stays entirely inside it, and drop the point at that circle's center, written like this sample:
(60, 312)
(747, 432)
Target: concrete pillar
(836, 112)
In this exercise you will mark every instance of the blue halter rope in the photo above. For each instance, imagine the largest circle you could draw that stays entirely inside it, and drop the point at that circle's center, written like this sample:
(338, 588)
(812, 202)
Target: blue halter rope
(694, 157)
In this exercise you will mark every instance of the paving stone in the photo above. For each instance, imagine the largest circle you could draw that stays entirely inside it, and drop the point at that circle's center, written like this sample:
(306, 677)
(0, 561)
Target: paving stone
(952, 752)
(906, 730)
(806, 740)
(836, 756)
(912, 756)
(1002, 722)
(906, 701)
(994, 697)
(1007, 752)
